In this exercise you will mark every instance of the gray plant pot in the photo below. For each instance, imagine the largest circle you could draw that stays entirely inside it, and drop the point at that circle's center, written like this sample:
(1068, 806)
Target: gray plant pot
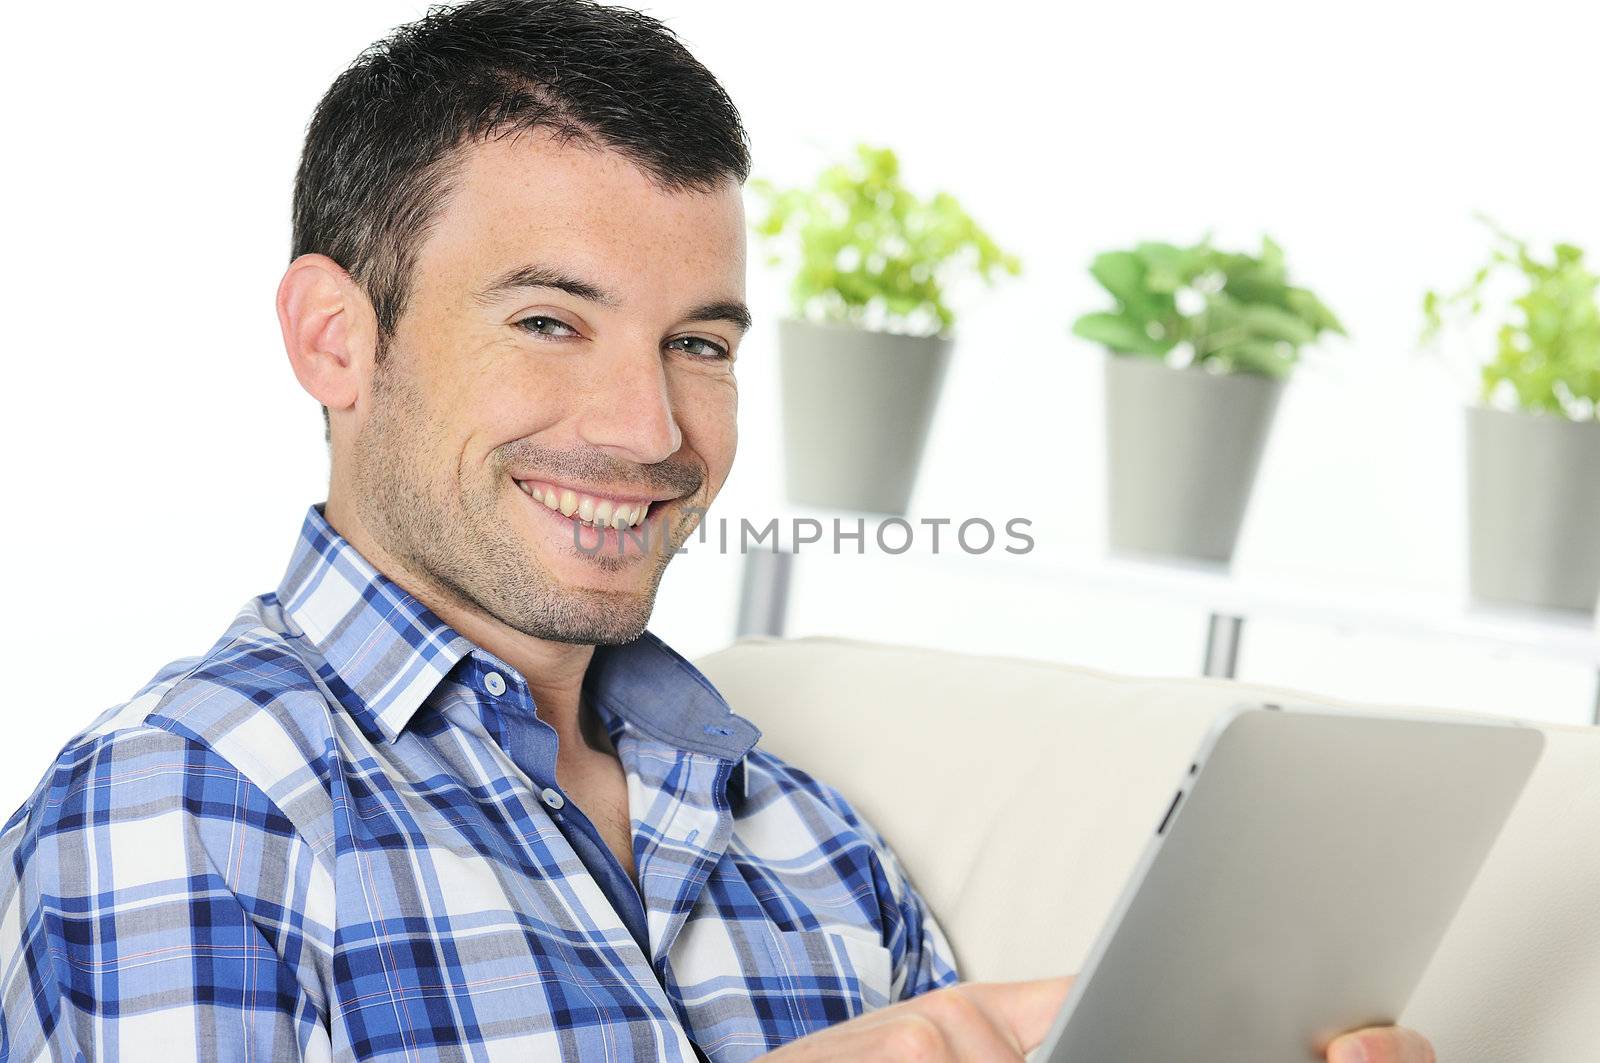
(1533, 509)
(856, 409)
(1182, 448)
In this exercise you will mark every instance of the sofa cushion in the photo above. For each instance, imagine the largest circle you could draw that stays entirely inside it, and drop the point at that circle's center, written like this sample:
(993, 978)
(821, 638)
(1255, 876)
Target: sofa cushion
(1019, 795)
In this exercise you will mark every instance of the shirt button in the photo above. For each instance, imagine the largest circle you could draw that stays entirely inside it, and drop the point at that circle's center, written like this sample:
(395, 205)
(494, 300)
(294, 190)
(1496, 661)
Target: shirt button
(494, 683)
(552, 797)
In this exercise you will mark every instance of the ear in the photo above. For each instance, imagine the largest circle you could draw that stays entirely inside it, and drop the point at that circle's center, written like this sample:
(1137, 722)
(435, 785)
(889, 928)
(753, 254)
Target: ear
(329, 330)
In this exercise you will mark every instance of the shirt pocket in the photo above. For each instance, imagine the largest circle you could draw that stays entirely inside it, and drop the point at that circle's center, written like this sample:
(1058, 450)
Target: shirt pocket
(848, 969)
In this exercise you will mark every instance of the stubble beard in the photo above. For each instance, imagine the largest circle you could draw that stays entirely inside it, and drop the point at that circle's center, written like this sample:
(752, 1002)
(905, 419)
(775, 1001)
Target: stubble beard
(462, 543)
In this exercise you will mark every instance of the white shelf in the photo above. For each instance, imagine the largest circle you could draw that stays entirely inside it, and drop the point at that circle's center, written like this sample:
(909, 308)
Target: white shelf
(1561, 635)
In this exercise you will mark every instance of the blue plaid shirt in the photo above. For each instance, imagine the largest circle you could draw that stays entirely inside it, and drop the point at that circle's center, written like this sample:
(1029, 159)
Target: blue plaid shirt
(337, 835)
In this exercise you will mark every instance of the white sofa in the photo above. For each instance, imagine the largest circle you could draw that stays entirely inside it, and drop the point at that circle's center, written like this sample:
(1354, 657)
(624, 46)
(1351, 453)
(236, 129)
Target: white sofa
(1019, 795)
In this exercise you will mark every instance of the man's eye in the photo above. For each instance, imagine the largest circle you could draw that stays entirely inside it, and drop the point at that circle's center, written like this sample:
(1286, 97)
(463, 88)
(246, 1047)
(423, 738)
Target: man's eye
(536, 323)
(708, 350)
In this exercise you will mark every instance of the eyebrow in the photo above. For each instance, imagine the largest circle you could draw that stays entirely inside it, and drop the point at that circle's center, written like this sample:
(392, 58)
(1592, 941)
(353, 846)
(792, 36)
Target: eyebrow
(732, 311)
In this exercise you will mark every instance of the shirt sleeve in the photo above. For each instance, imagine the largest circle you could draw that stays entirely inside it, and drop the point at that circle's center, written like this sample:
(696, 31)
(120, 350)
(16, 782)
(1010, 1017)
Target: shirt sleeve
(146, 911)
(923, 957)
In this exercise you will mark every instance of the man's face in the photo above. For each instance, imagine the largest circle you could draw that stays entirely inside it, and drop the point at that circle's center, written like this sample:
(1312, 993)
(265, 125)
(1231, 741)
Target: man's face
(501, 404)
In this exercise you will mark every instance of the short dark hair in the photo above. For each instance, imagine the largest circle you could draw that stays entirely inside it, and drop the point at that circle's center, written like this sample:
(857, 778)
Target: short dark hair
(383, 146)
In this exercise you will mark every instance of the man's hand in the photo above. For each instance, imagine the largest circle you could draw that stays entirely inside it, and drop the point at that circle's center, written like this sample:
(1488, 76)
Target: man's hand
(976, 1022)
(1381, 1044)
(964, 1023)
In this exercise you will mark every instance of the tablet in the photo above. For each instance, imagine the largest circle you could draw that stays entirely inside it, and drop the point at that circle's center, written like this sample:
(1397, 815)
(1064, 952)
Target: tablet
(1306, 870)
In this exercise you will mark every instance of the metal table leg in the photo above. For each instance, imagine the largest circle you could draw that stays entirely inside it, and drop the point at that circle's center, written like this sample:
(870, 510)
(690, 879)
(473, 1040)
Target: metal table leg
(1222, 646)
(764, 593)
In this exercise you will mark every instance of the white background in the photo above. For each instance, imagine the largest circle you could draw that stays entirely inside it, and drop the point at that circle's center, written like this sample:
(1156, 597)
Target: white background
(160, 454)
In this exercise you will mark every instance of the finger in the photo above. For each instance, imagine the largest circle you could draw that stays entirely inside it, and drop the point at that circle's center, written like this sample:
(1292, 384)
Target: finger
(1021, 1010)
(970, 1034)
(895, 1035)
(1381, 1044)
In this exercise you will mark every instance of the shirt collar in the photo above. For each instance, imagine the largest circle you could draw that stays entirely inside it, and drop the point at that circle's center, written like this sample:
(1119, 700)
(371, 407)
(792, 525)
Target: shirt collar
(386, 652)
(647, 684)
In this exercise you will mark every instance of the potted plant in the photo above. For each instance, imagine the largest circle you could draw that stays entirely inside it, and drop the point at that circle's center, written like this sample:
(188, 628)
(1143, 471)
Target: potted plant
(1533, 435)
(1197, 350)
(864, 350)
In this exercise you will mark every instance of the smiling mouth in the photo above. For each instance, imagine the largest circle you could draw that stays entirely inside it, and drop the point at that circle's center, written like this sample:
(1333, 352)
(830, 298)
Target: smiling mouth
(591, 511)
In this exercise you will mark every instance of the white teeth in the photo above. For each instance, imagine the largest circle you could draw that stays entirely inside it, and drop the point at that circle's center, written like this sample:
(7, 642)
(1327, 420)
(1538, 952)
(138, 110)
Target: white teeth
(587, 509)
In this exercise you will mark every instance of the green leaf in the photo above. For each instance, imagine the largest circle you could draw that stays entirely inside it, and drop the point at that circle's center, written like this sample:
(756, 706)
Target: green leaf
(866, 251)
(1120, 334)
(1249, 317)
(1167, 267)
(1121, 273)
(1548, 336)
(1312, 310)
(1259, 356)
(1271, 323)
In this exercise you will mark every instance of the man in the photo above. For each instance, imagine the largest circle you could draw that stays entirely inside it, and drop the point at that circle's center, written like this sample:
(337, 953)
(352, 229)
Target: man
(439, 795)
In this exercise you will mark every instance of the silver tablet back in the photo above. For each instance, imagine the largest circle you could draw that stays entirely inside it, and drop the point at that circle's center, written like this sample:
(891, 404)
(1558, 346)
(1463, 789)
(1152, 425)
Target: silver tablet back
(1297, 888)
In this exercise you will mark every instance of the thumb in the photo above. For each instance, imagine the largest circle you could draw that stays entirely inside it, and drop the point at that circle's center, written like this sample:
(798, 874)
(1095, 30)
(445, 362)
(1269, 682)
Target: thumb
(1026, 1009)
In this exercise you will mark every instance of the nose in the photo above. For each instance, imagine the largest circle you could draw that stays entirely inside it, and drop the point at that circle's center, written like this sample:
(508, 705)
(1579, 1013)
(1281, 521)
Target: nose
(629, 409)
